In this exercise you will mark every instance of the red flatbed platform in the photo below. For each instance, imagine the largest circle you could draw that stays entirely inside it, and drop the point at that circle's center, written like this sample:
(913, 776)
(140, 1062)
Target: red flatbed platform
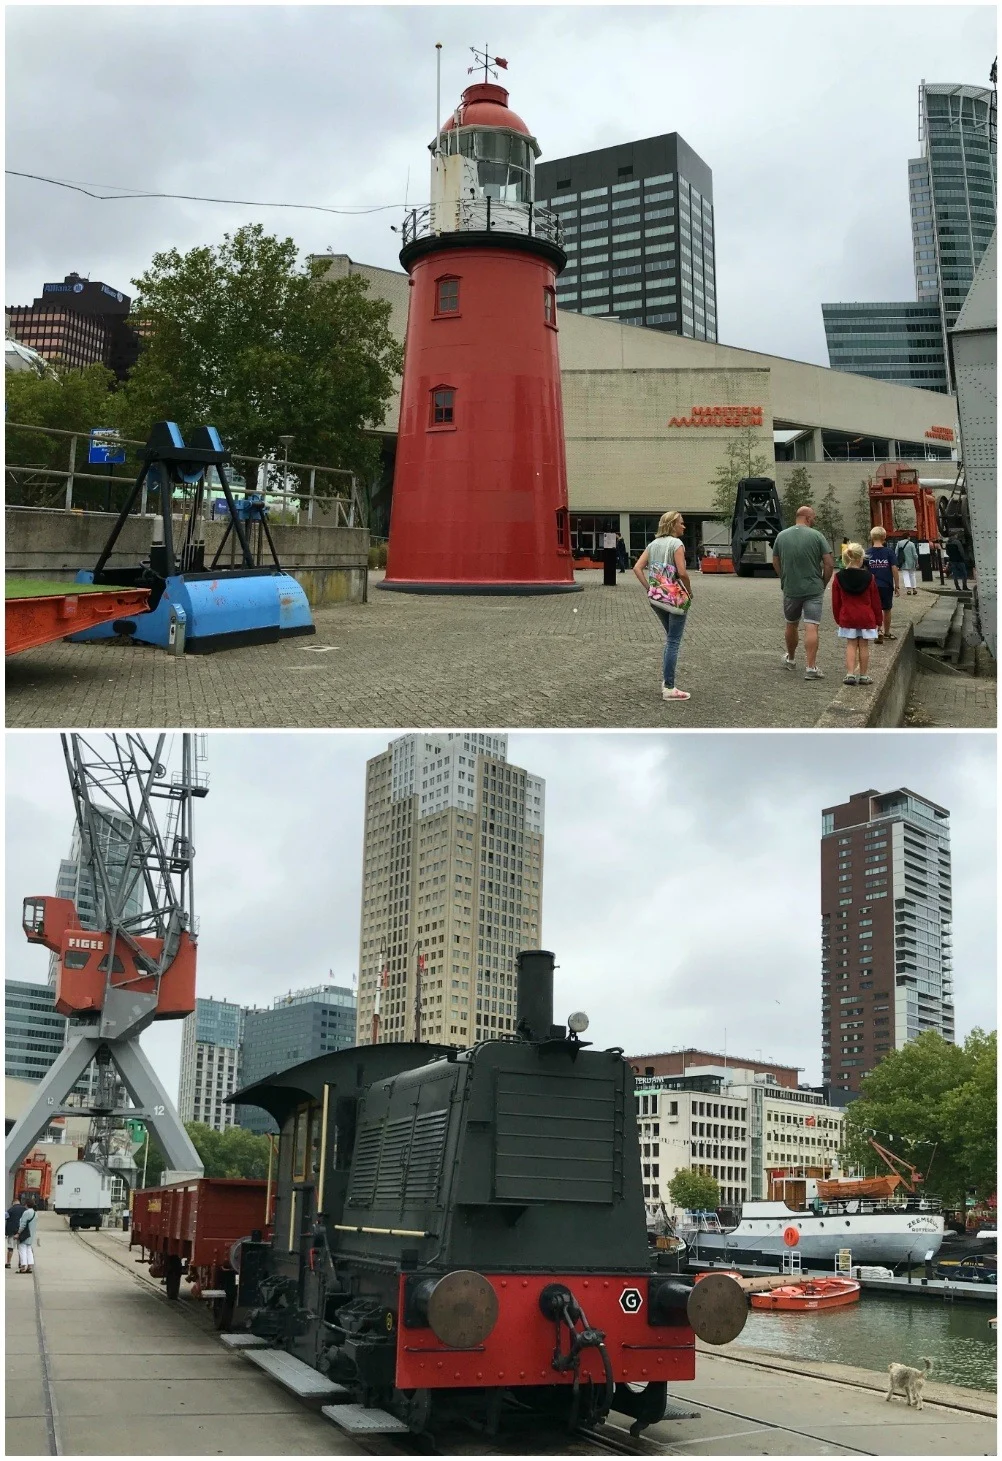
(39, 611)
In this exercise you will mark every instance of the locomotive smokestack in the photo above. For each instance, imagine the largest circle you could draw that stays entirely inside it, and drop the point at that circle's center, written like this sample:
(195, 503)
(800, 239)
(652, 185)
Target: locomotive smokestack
(535, 992)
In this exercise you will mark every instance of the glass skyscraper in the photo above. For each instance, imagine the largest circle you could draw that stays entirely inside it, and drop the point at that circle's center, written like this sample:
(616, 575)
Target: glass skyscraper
(952, 189)
(900, 342)
(637, 222)
(952, 197)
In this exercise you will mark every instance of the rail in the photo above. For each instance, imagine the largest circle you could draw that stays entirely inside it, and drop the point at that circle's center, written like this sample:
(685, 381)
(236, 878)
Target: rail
(46, 467)
(482, 215)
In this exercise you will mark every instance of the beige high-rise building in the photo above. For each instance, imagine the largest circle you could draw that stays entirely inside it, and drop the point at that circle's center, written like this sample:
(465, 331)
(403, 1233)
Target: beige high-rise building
(452, 881)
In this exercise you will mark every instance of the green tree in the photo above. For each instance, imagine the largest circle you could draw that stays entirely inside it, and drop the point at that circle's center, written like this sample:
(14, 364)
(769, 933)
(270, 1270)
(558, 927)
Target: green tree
(240, 336)
(934, 1104)
(861, 523)
(694, 1190)
(71, 400)
(797, 493)
(742, 460)
(829, 517)
(231, 1153)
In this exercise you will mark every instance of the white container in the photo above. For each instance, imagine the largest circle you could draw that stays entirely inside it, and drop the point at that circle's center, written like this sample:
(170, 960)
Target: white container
(83, 1193)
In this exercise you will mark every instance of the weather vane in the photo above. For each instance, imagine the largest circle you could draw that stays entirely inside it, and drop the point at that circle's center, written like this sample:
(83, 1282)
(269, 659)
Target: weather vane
(488, 62)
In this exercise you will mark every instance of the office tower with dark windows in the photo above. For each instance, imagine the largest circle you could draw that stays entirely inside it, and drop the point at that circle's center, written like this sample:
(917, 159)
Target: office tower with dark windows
(886, 929)
(34, 1034)
(78, 322)
(300, 1025)
(451, 888)
(638, 232)
(952, 198)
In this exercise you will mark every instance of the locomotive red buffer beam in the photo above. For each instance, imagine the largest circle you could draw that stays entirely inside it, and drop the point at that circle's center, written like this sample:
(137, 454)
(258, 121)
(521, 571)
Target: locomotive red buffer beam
(473, 1331)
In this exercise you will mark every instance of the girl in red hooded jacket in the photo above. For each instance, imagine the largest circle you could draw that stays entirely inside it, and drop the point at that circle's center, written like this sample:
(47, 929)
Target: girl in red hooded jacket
(858, 613)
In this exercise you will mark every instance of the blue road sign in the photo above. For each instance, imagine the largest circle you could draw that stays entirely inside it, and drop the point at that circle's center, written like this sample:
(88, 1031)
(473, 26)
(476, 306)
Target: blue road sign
(104, 448)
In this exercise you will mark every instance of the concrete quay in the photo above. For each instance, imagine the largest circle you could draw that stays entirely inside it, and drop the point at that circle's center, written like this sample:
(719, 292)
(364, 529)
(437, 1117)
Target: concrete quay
(98, 1362)
(587, 659)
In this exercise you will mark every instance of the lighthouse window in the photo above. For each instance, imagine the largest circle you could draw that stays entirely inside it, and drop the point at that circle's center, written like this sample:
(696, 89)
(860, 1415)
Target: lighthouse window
(443, 407)
(550, 306)
(447, 297)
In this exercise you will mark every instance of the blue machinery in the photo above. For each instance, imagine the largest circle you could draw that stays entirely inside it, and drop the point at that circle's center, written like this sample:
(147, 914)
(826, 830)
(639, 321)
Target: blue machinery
(197, 607)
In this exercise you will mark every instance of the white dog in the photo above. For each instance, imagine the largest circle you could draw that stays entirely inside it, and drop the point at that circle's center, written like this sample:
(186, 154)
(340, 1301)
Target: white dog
(908, 1381)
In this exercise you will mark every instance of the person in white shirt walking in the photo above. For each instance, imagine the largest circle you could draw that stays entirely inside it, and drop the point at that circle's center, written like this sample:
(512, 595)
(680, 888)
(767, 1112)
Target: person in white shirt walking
(26, 1240)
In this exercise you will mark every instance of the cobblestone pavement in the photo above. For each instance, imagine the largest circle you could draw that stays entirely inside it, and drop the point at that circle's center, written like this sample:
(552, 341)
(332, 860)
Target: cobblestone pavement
(401, 660)
(953, 700)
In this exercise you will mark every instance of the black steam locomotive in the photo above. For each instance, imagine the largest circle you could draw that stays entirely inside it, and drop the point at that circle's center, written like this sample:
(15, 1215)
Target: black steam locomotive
(467, 1227)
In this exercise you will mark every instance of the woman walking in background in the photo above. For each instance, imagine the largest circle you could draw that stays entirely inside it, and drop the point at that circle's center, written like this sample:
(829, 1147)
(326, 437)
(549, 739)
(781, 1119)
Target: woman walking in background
(662, 571)
(26, 1239)
(908, 563)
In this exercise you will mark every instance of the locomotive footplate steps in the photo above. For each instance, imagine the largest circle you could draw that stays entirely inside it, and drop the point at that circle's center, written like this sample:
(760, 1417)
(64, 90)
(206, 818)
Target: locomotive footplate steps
(244, 1341)
(296, 1376)
(359, 1420)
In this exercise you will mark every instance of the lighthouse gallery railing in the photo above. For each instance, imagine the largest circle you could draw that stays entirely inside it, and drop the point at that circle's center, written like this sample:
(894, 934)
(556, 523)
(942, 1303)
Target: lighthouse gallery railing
(482, 215)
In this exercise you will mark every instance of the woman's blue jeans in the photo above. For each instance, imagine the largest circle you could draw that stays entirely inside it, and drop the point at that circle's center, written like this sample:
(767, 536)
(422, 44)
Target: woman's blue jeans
(674, 627)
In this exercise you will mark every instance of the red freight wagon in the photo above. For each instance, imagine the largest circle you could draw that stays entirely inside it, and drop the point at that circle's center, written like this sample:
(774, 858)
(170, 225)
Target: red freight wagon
(189, 1228)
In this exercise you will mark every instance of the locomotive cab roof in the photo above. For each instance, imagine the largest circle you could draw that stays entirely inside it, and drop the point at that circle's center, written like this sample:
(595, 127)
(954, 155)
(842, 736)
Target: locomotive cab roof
(283, 1091)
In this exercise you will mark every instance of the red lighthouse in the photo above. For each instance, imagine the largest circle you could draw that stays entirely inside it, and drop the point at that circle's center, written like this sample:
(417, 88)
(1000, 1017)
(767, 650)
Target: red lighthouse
(480, 485)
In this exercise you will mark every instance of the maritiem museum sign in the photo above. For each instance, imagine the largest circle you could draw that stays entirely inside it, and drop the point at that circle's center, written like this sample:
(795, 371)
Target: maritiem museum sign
(720, 416)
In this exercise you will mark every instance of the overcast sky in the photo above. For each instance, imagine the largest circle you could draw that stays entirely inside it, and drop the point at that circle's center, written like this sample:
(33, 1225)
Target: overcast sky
(807, 116)
(681, 878)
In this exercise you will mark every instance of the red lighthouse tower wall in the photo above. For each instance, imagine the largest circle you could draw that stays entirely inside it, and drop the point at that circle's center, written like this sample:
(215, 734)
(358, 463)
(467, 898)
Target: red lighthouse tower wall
(480, 503)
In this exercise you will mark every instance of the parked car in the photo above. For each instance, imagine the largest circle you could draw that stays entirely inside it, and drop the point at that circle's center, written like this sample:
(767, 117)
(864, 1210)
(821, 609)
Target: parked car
(975, 1268)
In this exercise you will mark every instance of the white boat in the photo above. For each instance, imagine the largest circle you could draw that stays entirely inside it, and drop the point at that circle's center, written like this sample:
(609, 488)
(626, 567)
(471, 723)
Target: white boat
(874, 1232)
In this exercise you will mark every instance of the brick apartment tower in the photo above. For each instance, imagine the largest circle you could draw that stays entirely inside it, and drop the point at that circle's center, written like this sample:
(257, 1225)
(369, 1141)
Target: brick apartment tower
(886, 929)
(452, 876)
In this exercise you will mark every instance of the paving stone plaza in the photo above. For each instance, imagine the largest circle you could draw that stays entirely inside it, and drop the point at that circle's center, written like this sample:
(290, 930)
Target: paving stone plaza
(587, 659)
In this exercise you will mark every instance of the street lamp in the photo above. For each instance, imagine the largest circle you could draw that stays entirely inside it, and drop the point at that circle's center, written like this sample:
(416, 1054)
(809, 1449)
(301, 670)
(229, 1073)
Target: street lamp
(285, 442)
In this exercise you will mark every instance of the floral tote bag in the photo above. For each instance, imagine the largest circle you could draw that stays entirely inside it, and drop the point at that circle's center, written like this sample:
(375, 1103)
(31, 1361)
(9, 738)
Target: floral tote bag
(664, 587)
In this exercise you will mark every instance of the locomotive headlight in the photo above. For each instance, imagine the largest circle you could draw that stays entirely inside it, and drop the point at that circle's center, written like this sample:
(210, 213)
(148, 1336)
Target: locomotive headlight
(578, 1022)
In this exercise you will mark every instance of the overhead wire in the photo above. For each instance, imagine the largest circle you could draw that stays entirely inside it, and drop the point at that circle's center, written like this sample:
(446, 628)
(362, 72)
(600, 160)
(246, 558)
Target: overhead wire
(351, 210)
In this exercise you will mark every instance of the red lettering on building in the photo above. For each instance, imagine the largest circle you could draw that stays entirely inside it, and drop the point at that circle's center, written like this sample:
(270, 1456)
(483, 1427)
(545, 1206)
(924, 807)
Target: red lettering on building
(940, 433)
(721, 416)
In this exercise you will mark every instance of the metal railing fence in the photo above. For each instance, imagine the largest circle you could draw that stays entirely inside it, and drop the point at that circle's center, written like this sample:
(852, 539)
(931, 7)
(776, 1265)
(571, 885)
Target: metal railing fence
(47, 467)
(482, 215)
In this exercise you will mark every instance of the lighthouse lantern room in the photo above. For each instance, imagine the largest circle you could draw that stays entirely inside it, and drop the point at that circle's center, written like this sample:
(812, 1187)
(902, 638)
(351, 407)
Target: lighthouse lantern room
(480, 484)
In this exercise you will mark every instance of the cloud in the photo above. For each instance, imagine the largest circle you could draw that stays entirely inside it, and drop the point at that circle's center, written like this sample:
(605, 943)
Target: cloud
(797, 110)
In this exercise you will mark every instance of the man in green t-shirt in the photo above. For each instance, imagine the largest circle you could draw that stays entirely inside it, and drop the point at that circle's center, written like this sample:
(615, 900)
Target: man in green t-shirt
(802, 558)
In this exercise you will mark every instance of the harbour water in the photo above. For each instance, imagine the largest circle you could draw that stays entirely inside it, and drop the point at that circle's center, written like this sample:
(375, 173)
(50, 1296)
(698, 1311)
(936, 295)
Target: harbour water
(870, 1334)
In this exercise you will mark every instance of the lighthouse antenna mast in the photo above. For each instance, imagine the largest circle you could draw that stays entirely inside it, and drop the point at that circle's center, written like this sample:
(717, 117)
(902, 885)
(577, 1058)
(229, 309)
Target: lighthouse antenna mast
(438, 98)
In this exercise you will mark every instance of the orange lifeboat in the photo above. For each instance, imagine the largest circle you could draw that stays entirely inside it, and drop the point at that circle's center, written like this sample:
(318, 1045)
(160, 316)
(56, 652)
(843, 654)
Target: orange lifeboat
(811, 1293)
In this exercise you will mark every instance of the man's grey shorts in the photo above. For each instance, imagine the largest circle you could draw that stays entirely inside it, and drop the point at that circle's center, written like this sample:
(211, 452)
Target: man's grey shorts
(807, 609)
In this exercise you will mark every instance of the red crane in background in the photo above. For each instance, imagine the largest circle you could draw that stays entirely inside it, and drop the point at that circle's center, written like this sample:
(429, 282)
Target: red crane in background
(136, 962)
